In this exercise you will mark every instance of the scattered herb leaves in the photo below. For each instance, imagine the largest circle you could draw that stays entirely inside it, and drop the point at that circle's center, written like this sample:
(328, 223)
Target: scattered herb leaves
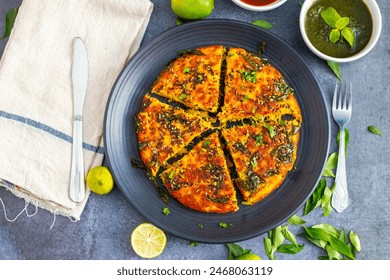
(335, 68)
(9, 22)
(375, 130)
(166, 211)
(275, 242)
(339, 26)
(296, 220)
(333, 241)
(263, 24)
(224, 225)
(194, 243)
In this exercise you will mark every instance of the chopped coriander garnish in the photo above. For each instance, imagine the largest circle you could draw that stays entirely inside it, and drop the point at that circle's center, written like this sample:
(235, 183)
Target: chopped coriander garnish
(224, 225)
(249, 76)
(166, 211)
(271, 130)
(171, 174)
(206, 143)
(201, 226)
(186, 70)
(183, 96)
(194, 243)
(259, 140)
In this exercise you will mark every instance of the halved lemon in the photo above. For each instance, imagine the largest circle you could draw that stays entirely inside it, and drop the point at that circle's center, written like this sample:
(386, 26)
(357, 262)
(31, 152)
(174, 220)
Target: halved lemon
(148, 241)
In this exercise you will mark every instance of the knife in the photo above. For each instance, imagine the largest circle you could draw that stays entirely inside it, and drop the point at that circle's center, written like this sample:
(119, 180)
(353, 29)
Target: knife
(79, 86)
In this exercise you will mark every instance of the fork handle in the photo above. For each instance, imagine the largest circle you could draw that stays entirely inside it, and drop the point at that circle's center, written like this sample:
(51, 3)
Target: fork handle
(340, 199)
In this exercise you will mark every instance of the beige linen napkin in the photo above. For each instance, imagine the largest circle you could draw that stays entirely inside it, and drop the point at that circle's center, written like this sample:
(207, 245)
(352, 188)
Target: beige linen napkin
(36, 103)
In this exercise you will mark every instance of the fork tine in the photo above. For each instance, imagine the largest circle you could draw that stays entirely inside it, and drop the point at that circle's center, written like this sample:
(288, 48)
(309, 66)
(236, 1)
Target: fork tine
(334, 104)
(344, 95)
(350, 96)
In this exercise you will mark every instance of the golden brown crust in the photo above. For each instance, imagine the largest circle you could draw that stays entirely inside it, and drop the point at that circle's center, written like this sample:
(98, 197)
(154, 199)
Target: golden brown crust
(263, 154)
(193, 78)
(163, 131)
(254, 89)
(201, 180)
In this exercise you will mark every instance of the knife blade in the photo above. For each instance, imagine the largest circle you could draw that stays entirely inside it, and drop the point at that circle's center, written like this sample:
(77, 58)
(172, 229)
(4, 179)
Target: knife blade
(79, 87)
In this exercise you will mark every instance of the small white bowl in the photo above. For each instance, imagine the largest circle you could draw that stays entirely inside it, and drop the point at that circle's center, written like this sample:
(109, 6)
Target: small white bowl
(376, 31)
(259, 8)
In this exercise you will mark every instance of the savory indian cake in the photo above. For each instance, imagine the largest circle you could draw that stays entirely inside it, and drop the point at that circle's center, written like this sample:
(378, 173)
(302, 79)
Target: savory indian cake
(253, 110)
(163, 131)
(193, 78)
(263, 154)
(201, 180)
(254, 88)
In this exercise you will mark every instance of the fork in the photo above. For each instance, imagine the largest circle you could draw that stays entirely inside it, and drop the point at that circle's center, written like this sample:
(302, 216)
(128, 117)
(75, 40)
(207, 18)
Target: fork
(342, 111)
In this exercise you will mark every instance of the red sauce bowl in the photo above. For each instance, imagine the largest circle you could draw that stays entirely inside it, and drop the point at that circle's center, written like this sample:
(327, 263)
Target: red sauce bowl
(259, 5)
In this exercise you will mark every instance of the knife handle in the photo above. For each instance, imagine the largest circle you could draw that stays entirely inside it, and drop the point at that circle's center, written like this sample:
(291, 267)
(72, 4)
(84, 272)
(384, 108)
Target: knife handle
(77, 180)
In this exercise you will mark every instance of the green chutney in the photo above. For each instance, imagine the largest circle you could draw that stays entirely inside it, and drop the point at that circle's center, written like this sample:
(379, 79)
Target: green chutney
(360, 21)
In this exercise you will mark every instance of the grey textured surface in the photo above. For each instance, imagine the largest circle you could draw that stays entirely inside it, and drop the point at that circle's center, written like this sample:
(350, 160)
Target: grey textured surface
(106, 224)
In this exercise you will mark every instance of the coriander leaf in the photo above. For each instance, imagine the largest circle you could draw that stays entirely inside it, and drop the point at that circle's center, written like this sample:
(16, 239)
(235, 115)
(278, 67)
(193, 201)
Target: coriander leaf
(330, 165)
(328, 229)
(331, 16)
(355, 240)
(269, 249)
(315, 199)
(194, 243)
(334, 35)
(263, 24)
(375, 130)
(289, 236)
(342, 22)
(348, 34)
(236, 249)
(289, 248)
(341, 247)
(335, 68)
(277, 236)
(271, 130)
(9, 22)
(332, 253)
(325, 202)
(296, 220)
(166, 211)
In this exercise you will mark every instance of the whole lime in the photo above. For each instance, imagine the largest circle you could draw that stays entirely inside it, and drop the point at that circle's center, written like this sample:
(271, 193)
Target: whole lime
(192, 9)
(249, 256)
(99, 180)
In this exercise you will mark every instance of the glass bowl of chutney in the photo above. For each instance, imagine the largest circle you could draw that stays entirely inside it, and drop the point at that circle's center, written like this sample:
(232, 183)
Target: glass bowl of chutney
(259, 5)
(340, 31)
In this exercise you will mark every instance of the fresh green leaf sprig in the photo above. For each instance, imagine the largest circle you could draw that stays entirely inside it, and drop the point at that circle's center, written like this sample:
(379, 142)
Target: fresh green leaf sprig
(374, 130)
(340, 29)
(263, 24)
(275, 242)
(335, 68)
(335, 242)
(322, 193)
(9, 22)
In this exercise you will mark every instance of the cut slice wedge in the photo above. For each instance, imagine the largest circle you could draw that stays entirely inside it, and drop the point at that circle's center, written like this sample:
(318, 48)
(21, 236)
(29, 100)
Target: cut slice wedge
(193, 78)
(163, 131)
(200, 180)
(148, 241)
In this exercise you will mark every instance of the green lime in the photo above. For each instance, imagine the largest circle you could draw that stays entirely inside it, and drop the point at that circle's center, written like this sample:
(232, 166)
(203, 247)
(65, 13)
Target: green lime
(192, 9)
(148, 241)
(99, 180)
(248, 256)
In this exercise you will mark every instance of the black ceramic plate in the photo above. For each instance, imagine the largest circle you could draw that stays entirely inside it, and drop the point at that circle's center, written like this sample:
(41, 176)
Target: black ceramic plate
(121, 141)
